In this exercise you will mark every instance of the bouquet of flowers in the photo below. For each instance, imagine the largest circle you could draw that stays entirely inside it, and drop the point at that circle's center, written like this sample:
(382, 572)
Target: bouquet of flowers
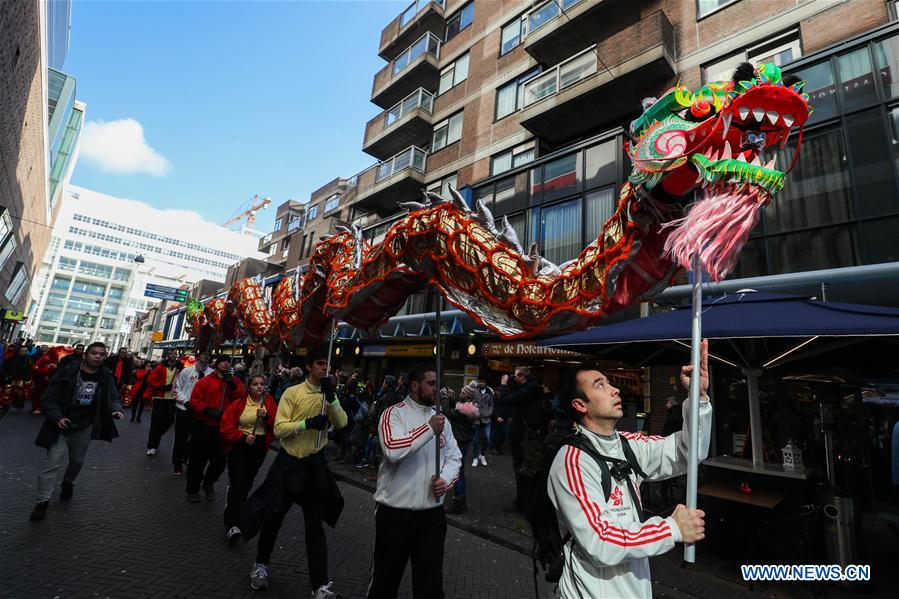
(468, 409)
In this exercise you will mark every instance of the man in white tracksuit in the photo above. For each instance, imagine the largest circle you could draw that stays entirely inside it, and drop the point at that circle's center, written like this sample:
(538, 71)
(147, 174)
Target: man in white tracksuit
(606, 555)
(184, 420)
(410, 523)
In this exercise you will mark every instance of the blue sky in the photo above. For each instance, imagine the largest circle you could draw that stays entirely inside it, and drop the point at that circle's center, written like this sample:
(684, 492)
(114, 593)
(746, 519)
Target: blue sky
(232, 98)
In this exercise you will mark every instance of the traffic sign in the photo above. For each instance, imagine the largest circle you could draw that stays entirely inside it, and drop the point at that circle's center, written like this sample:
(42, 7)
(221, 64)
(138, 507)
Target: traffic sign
(166, 293)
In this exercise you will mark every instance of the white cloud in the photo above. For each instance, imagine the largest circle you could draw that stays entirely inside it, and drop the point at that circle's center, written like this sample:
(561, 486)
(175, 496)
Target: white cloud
(119, 147)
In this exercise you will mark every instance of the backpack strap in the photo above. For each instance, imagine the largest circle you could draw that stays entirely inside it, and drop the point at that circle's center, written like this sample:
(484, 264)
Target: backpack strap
(630, 457)
(578, 440)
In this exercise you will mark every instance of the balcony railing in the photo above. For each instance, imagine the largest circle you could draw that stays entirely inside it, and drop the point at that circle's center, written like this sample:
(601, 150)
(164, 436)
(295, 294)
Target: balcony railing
(407, 15)
(563, 75)
(420, 98)
(267, 239)
(546, 12)
(426, 44)
(412, 157)
(295, 224)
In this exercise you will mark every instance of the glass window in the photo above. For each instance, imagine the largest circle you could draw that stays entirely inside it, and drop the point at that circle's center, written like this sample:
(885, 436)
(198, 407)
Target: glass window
(332, 202)
(704, 7)
(602, 164)
(56, 299)
(577, 69)
(459, 21)
(871, 168)
(505, 197)
(510, 96)
(501, 163)
(121, 274)
(886, 56)
(818, 191)
(856, 79)
(278, 224)
(107, 323)
(828, 247)
(447, 132)
(511, 35)
(7, 248)
(17, 284)
(598, 207)
(5, 224)
(819, 85)
(453, 75)
(753, 259)
(312, 212)
(878, 238)
(441, 187)
(543, 15)
(61, 283)
(560, 231)
(51, 316)
(513, 158)
(519, 223)
(560, 177)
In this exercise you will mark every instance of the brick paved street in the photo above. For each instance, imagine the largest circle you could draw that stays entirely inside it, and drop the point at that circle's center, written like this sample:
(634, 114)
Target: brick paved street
(129, 533)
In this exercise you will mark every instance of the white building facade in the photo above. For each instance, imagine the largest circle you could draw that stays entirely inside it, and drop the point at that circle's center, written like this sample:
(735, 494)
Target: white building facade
(104, 252)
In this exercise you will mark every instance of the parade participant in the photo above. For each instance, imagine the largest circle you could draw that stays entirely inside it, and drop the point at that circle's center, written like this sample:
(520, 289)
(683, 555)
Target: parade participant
(18, 369)
(300, 475)
(121, 366)
(409, 517)
(519, 396)
(295, 377)
(139, 391)
(247, 429)
(73, 357)
(481, 441)
(210, 397)
(161, 380)
(79, 404)
(610, 540)
(184, 419)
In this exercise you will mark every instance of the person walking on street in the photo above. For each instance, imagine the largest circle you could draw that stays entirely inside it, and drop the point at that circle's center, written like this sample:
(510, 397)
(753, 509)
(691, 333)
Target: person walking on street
(481, 433)
(463, 415)
(76, 356)
(519, 396)
(409, 519)
(184, 419)
(121, 366)
(247, 430)
(210, 397)
(502, 417)
(610, 540)
(295, 377)
(79, 405)
(300, 475)
(161, 380)
(140, 388)
(18, 369)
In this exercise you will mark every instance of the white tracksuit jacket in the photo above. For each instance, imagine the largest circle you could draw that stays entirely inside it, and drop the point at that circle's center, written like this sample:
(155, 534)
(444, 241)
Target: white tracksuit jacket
(184, 385)
(608, 553)
(407, 440)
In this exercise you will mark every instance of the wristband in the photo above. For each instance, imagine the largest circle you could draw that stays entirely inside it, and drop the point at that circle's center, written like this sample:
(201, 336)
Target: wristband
(302, 426)
(335, 403)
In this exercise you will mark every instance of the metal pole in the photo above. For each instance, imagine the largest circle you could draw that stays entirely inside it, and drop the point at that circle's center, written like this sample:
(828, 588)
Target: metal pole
(318, 438)
(693, 442)
(156, 322)
(439, 369)
(755, 416)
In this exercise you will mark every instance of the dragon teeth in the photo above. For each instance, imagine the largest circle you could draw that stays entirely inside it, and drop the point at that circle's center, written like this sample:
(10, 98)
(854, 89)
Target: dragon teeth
(758, 114)
(727, 119)
(743, 111)
(741, 157)
(727, 154)
(692, 134)
(756, 161)
(772, 116)
(788, 119)
(770, 165)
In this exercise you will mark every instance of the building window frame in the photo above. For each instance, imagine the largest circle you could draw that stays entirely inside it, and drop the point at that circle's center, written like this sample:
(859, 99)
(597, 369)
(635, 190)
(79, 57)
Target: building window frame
(722, 4)
(441, 186)
(17, 283)
(311, 212)
(515, 156)
(519, 83)
(460, 21)
(455, 74)
(332, 203)
(447, 127)
(278, 224)
(521, 24)
(789, 39)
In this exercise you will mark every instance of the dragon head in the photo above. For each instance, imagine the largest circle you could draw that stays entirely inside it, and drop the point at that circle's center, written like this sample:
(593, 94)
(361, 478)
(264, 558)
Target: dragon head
(700, 160)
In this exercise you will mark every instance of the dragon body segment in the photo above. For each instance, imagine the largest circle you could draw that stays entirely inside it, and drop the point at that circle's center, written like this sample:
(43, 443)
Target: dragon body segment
(696, 188)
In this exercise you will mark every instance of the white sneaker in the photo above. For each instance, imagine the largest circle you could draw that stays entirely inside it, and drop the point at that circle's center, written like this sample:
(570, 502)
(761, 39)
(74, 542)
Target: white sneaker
(474, 463)
(483, 460)
(151, 452)
(259, 577)
(325, 592)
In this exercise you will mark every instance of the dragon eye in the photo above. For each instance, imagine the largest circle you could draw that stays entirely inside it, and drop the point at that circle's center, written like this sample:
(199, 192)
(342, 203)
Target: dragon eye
(671, 144)
(700, 108)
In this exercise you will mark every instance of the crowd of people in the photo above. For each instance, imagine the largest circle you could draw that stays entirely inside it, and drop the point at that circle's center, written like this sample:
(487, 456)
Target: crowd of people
(226, 419)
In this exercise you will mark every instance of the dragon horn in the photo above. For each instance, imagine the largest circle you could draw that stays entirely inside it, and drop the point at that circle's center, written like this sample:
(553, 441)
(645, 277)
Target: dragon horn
(509, 235)
(411, 206)
(458, 200)
(434, 198)
(344, 229)
(485, 217)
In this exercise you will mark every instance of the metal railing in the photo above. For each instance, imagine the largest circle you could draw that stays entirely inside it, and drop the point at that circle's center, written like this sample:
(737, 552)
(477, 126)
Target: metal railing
(420, 98)
(546, 12)
(295, 224)
(412, 157)
(565, 74)
(407, 15)
(426, 44)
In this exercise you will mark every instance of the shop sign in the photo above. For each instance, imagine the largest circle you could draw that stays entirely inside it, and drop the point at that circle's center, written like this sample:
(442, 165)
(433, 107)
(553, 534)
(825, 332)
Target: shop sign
(13, 315)
(500, 366)
(471, 372)
(415, 350)
(374, 350)
(157, 336)
(525, 350)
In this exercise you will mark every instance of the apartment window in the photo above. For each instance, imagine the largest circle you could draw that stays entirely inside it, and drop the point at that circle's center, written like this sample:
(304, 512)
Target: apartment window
(447, 132)
(512, 34)
(311, 212)
(780, 50)
(332, 202)
(459, 21)
(61, 283)
(7, 239)
(442, 186)
(510, 96)
(285, 244)
(560, 231)
(278, 224)
(510, 159)
(453, 75)
(18, 283)
(705, 7)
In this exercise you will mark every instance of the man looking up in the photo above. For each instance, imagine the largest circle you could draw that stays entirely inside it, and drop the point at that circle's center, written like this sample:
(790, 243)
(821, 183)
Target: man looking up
(409, 517)
(160, 381)
(184, 420)
(79, 404)
(208, 400)
(609, 542)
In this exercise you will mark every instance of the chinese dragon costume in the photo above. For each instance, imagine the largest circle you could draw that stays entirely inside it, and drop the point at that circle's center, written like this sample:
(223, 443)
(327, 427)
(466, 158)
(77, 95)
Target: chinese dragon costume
(697, 187)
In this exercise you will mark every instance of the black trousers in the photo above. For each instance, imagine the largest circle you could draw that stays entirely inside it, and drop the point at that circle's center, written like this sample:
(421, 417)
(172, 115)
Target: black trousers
(137, 408)
(244, 462)
(207, 457)
(403, 535)
(161, 418)
(184, 424)
(312, 504)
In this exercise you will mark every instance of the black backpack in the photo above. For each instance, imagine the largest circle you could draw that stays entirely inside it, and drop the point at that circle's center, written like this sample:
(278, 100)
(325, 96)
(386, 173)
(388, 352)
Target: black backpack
(541, 513)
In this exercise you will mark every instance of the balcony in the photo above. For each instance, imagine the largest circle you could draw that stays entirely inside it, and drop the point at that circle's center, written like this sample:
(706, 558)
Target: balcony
(581, 94)
(397, 179)
(406, 123)
(420, 17)
(557, 29)
(264, 242)
(415, 67)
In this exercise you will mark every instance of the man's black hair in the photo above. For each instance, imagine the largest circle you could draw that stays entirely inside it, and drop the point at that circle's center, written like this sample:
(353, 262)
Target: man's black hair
(570, 389)
(95, 344)
(220, 358)
(319, 352)
(417, 374)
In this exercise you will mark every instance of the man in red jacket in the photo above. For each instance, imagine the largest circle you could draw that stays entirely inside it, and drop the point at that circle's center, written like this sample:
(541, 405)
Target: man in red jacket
(208, 400)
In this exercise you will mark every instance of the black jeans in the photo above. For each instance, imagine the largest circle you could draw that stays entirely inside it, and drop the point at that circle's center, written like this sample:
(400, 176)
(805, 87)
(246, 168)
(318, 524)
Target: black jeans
(244, 462)
(403, 535)
(312, 504)
(161, 419)
(205, 448)
(184, 425)
(137, 408)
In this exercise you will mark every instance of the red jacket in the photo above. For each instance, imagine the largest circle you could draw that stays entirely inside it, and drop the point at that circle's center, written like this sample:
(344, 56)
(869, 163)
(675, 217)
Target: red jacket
(229, 427)
(207, 393)
(138, 384)
(156, 379)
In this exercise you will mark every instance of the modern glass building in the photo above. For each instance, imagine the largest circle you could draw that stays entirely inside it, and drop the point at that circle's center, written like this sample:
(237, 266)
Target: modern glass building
(66, 118)
(59, 29)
